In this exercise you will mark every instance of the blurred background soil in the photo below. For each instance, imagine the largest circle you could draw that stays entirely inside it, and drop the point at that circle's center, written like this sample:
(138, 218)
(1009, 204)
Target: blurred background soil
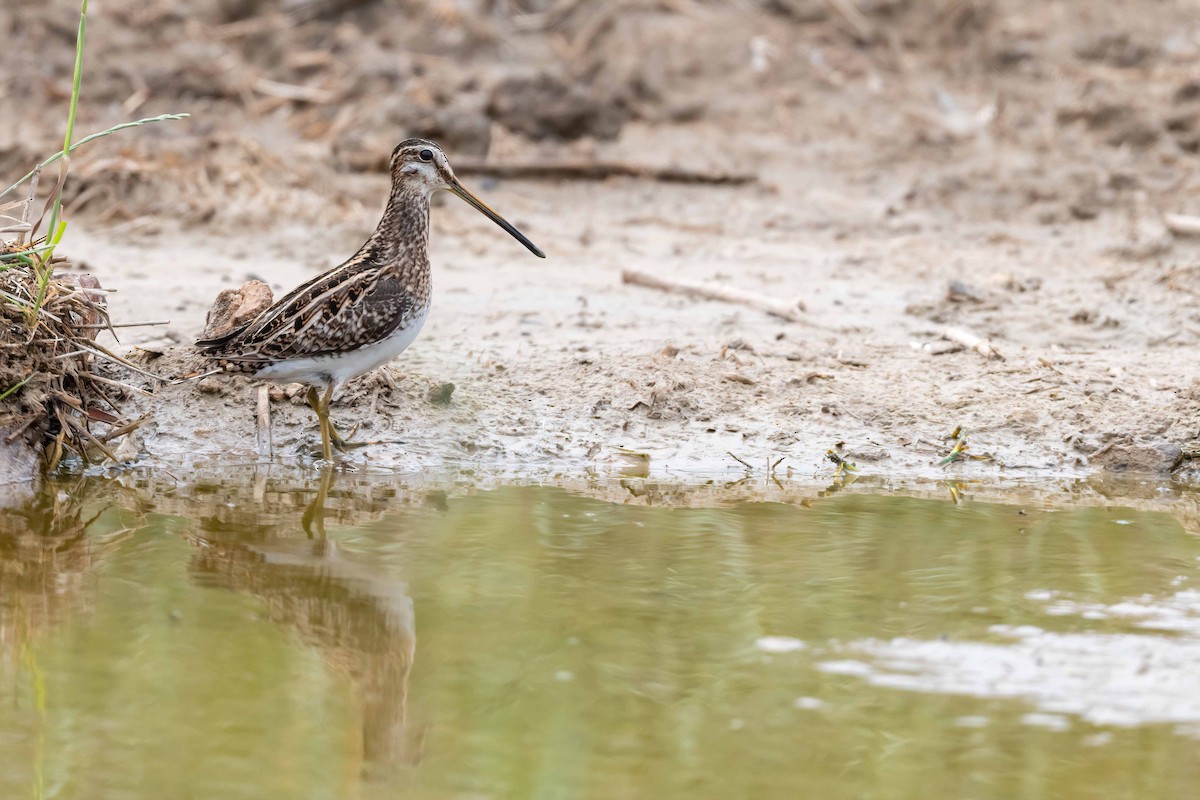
(898, 165)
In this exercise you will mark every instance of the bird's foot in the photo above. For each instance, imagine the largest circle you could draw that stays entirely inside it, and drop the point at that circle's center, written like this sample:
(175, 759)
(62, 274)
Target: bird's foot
(346, 443)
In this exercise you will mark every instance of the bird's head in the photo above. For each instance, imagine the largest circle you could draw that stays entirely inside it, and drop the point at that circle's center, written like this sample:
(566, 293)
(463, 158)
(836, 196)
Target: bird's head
(421, 165)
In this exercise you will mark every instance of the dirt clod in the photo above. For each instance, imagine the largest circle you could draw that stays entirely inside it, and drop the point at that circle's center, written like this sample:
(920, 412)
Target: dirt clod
(233, 308)
(439, 395)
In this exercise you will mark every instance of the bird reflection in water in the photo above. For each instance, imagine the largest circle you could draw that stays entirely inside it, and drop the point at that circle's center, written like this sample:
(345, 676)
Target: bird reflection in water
(360, 619)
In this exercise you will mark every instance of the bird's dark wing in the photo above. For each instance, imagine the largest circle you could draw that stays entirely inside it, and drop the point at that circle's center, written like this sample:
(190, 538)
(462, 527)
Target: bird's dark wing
(345, 309)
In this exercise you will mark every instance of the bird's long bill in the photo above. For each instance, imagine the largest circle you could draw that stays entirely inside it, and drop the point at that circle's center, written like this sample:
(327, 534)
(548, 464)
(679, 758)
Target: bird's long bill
(458, 189)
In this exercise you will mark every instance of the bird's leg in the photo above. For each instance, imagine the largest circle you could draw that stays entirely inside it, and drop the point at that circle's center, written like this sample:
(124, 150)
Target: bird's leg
(336, 439)
(314, 401)
(342, 443)
(329, 435)
(330, 438)
(320, 407)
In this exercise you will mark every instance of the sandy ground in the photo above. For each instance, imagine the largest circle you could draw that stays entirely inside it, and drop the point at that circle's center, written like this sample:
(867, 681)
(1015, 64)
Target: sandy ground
(1004, 171)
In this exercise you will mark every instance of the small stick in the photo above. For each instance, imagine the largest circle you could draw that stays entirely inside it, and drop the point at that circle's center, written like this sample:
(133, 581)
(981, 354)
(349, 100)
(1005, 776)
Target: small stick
(124, 429)
(82, 430)
(290, 91)
(970, 340)
(100, 390)
(77, 291)
(66, 399)
(1182, 224)
(197, 376)
(792, 312)
(740, 461)
(93, 376)
(599, 171)
(265, 447)
(101, 351)
(124, 325)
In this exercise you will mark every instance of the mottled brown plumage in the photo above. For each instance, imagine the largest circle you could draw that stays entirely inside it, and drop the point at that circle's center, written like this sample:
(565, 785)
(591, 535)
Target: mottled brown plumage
(365, 311)
(361, 301)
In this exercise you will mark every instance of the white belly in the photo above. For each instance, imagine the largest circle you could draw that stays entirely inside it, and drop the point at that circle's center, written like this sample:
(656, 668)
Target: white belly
(337, 369)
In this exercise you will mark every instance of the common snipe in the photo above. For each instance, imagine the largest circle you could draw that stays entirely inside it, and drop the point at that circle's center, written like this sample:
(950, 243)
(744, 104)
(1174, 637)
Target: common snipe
(364, 312)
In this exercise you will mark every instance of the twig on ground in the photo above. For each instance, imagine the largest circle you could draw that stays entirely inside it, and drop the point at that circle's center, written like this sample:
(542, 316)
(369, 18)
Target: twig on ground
(124, 325)
(265, 445)
(119, 385)
(598, 171)
(82, 430)
(744, 463)
(967, 339)
(1182, 224)
(195, 376)
(124, 429)
(104, 352)
(594, 27)
(294, 92)
(792, 312)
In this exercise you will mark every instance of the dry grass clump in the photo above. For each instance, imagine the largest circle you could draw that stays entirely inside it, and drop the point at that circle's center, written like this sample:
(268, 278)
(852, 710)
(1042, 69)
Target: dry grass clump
(51, 387)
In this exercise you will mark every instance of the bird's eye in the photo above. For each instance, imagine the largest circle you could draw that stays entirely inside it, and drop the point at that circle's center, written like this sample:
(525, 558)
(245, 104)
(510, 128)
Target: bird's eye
(426, 154)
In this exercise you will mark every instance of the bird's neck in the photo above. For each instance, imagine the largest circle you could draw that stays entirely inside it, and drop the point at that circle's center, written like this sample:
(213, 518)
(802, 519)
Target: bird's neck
(401, 240)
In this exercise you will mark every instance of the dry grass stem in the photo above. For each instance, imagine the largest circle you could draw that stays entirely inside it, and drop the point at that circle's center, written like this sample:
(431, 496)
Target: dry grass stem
(265, 445)
(1182, 224)
(598, 171)
(791, 311)
(969, 340)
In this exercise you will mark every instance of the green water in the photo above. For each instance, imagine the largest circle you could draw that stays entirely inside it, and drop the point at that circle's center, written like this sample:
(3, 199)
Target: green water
(172, 642)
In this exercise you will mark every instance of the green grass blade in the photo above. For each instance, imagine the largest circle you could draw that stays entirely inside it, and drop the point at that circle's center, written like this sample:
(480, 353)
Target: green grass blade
(22, 256)
(47, 271)
(75, 84)
(5, 394)
(91, 138)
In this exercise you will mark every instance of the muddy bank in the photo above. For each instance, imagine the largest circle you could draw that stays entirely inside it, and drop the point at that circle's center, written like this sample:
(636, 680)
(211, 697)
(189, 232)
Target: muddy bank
(559, 363)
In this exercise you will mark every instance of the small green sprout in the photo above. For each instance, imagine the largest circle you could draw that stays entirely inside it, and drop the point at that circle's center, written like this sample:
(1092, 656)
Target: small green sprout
(841, 465)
